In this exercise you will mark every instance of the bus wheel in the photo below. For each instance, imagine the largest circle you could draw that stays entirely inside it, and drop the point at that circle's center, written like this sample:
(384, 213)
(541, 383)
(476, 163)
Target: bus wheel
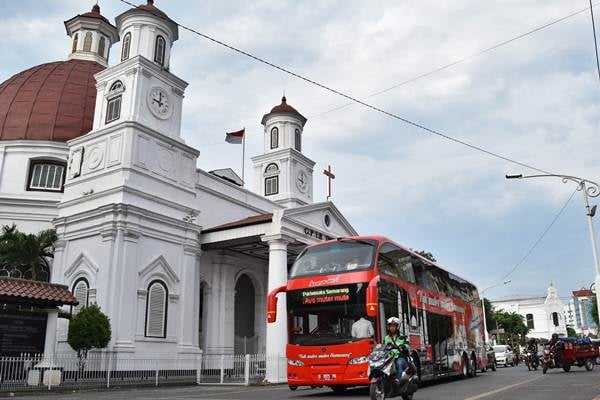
(473, 367)
(465, 366)
(293, 387)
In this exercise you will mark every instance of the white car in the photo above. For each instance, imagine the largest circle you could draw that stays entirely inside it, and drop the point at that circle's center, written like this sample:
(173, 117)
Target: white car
(504, 355)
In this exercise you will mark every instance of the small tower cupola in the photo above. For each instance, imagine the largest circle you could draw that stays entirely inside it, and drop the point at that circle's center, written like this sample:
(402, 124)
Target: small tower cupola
(92, 35)
(148, 32)
(283, 128)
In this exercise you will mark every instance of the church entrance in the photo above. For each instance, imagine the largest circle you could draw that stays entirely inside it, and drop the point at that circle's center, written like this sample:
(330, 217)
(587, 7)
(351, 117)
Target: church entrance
(244, 314)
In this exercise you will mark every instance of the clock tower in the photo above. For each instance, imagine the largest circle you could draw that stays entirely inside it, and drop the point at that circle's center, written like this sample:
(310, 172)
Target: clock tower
(282, 173)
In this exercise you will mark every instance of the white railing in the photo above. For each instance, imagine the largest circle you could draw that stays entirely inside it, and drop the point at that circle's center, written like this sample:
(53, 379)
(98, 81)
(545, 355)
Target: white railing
(107, 369)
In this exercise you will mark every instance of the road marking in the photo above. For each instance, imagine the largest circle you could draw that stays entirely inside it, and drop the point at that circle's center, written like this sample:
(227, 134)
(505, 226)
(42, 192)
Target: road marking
(502, 389)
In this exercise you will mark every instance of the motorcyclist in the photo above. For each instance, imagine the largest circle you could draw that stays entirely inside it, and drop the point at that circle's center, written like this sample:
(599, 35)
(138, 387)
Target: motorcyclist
(532, 348)
(400, 347)
(555, 346)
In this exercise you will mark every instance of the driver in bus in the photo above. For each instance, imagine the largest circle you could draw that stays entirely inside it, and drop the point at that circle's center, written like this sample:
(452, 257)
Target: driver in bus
(399, 344)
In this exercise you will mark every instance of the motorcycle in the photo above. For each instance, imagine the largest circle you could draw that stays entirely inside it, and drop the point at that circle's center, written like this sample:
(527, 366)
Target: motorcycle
(531, 360)
(548, 359)
(383, 376)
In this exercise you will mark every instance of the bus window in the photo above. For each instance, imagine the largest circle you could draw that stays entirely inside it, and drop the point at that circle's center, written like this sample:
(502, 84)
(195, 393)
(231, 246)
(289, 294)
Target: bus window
(423, 274)
(395, 262)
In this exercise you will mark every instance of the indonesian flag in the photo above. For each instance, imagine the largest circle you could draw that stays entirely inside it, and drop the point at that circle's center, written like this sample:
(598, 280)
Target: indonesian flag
(235, 137)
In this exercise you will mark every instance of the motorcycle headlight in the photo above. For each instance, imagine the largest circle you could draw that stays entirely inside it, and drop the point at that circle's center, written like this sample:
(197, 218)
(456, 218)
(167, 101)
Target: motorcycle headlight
(359, 360)
(296, 363)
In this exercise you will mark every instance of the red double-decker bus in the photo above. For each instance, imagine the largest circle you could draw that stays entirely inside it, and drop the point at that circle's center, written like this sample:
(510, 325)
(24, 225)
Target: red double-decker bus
(340, 294)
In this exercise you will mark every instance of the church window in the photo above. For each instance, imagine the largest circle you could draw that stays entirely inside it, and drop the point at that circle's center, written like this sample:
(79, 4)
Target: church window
(271, 179)
(159, 50)
(297, 140)
(274, 138)
(46, 176)
(126, 45)
(529, 318)
(81, 290)
(555, 321)
(156, 310)
(75, 40)
(87, 42)
(113, 107)
(101, 46)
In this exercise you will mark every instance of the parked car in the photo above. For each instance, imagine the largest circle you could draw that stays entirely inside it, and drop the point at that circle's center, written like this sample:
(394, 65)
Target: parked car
(491, 360)
(504, 355)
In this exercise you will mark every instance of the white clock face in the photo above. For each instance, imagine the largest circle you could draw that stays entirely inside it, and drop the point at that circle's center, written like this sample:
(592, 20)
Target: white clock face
(302, 181)
(159, 103)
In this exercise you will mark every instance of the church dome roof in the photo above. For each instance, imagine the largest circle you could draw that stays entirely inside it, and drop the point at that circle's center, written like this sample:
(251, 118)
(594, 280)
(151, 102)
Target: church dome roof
(284, 108)
(53, 101)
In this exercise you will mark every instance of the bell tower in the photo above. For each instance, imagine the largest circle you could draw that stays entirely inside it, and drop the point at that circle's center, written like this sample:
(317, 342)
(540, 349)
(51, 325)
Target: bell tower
(282, 173)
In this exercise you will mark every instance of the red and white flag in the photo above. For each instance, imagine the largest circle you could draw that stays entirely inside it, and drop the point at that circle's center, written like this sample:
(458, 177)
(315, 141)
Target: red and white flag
(235, 137)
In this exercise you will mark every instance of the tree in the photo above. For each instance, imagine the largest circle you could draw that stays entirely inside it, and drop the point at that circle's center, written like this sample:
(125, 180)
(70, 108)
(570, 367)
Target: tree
(595, 310)
(515, 329)
(489, 315)
(571, 332)
(426, 254)
(89, 329)
(27, 253)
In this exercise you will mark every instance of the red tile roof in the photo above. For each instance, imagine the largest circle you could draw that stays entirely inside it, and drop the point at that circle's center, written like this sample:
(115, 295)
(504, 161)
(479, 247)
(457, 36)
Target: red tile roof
(95, 13)
(35, 292)
(53, 101)
(583, 293)
(256, 219)
(284, 108)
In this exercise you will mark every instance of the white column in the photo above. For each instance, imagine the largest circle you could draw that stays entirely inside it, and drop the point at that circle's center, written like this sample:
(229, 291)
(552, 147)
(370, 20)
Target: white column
(277, 332)
(189, 301)
(50, 340)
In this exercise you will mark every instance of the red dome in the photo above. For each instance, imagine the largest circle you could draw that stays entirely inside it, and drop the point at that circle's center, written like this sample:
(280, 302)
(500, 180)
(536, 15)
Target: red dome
(284, 108)
(53, 101)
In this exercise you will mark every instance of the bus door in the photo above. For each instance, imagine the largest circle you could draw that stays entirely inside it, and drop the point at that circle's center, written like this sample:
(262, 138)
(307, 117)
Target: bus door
(439, 328)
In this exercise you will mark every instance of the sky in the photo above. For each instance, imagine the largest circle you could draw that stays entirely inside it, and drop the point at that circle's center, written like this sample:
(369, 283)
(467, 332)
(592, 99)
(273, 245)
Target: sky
(535, 100)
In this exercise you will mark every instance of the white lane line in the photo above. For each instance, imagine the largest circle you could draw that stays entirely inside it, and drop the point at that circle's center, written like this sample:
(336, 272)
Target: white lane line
(502, 389)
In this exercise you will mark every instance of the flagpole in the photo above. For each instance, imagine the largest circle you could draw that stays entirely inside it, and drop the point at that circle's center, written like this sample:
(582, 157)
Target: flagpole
(243, 155)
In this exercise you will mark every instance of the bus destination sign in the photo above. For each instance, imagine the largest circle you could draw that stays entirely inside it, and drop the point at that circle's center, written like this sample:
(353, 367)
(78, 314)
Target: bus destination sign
(326, 295)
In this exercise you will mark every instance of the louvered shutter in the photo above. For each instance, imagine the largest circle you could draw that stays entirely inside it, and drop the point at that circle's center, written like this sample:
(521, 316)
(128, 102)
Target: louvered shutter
(80, 291)
(156, 310)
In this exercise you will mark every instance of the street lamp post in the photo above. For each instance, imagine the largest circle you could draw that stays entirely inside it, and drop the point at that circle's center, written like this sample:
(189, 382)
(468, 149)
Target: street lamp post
(589, 189)
(485, 330)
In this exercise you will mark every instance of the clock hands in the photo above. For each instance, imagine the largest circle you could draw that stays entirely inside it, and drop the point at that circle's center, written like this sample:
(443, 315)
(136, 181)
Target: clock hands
(159, 101)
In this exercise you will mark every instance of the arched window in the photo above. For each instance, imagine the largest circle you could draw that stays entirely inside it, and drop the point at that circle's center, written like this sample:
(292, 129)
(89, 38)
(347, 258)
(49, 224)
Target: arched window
(271, 179)
(159, 50)
(156, 310)
(46, 175)
(125, 47)
(113, 107)
(274, 138)
(81, 290)
(101, 46)
(87, 42)
(75, 40)
(297, 140)
(555, 320)
(529, 318)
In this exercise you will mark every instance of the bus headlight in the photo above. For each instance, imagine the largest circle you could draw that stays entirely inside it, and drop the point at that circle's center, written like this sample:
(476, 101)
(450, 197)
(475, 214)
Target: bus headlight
(296, 363)
(359, 360)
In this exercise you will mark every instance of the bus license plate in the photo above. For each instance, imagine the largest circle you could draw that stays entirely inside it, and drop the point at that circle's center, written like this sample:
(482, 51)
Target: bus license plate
(328, 377)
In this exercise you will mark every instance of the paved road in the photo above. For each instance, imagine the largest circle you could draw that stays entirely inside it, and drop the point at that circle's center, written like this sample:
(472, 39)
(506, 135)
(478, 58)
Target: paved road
(506, 383)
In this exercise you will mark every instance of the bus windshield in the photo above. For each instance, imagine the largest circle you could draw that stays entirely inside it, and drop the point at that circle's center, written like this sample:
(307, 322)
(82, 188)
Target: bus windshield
(341, 256)
(326, 315)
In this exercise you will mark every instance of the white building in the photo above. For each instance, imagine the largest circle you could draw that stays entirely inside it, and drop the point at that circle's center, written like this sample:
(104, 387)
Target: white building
(180, 259)
(543, 315)
(578, 312)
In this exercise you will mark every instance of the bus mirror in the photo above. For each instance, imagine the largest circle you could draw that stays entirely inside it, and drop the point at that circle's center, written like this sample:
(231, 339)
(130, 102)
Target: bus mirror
(272, 303)
(372, 298)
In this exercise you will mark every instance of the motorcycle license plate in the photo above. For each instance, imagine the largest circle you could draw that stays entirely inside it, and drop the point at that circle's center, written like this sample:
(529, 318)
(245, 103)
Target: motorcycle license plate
(327, 377)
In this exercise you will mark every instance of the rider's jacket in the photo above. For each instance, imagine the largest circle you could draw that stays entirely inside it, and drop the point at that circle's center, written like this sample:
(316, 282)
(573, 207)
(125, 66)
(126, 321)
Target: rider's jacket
(400, 345)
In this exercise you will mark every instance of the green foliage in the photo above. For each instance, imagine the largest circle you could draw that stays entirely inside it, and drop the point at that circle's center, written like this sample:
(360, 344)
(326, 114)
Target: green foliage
(571, 332)
(489, 315)
(426, 254)
(513, 325)
(90, 329)
(27, 251)
(595, 310)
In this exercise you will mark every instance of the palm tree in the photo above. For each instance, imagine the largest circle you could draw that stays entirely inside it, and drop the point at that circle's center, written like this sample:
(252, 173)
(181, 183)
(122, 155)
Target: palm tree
(27, 253)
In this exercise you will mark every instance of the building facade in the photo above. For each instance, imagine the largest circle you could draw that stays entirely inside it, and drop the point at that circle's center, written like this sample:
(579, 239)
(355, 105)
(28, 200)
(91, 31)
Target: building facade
(543, 315)
(180, 259)
(579, 312)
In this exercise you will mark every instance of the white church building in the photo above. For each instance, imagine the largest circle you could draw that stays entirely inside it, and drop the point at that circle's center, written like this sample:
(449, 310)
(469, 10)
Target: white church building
(543, 315)
(180, 259)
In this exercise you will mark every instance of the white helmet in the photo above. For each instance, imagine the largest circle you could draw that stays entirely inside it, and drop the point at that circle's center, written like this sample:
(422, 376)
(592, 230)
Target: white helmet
(393, 320)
